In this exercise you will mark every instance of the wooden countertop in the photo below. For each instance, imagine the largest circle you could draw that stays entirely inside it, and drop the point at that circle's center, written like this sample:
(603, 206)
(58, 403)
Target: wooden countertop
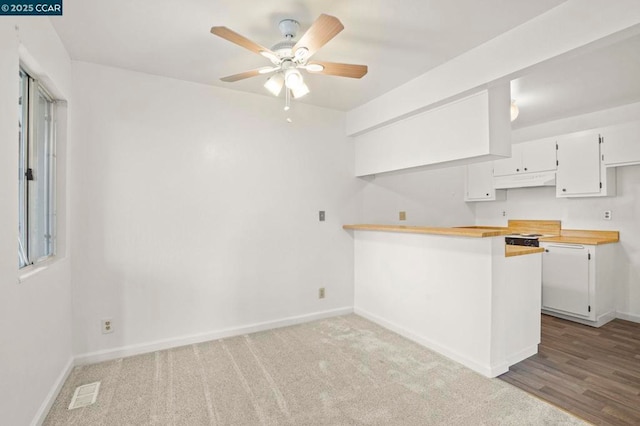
(510, 251)
(473, 232)
(588, 240)
(558, 235)
(470, 231)
(567, 236)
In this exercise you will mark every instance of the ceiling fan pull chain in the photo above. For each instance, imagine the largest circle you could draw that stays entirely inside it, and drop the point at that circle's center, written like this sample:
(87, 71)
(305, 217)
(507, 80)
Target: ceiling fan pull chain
(287, 99)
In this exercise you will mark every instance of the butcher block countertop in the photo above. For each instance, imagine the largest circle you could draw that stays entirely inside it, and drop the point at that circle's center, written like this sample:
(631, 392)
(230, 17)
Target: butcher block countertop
(550, 228)
(555, 234)
(510, 251)
(473, 232)
(575, 236)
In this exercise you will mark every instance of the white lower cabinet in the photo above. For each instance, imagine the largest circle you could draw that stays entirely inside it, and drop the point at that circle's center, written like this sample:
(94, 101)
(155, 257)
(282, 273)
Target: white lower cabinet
(565, 279)
(578, 282)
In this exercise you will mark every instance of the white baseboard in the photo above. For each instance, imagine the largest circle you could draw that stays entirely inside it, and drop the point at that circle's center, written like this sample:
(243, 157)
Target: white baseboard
(485, 370)
(514, 359)
(605, 318)
(42, 412)
(125, 351)
(629, 317)
(599, 322)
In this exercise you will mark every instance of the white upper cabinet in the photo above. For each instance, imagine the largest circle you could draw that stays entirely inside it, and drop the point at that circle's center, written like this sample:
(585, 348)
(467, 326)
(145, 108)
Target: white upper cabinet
(509, 166)
(528, 157)
(539, 156)
(581, 170)
(479, 183)
(621, 144)
(460, 132)
(578, 165)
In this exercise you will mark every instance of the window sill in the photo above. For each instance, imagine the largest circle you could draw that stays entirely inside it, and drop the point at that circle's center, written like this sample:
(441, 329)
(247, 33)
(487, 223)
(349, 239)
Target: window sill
(27, 272)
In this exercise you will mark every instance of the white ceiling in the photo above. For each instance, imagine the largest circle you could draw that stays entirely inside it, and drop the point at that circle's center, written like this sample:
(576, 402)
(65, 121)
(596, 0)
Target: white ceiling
(600, 79)
(398, 40)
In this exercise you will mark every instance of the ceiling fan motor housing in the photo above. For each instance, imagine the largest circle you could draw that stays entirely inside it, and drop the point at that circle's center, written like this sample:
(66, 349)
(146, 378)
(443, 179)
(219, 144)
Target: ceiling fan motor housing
(284, 48)
(289, 28)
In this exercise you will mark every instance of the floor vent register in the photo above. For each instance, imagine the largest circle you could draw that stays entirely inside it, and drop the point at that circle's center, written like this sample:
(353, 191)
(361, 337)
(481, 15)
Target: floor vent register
(85, 395)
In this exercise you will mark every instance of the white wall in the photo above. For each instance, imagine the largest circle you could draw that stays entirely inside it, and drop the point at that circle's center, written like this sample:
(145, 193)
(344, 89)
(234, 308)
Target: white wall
(584, 213)
(429, 198)
(414, 285)
(196, 209)
(35, 314)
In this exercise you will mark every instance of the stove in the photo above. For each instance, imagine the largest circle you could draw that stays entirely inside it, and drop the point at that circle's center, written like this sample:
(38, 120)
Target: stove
(528, 240)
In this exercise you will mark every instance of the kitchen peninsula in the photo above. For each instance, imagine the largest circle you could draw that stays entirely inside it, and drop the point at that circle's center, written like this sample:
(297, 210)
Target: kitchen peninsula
(457, 291)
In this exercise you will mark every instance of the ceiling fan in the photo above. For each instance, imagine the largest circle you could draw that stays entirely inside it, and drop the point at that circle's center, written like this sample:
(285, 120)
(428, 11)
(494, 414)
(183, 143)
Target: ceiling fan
(288, 57)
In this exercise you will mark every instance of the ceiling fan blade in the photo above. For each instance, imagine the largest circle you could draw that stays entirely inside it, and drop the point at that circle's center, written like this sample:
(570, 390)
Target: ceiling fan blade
(242, 75)
(240, 40)
(341, 70)
(321, 31)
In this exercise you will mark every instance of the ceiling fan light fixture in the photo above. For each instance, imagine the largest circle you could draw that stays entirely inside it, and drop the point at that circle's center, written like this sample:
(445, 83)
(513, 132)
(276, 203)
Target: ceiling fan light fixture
(314, 67)
(300, 91)
(274, 84)
(293, 78)
(514, 110)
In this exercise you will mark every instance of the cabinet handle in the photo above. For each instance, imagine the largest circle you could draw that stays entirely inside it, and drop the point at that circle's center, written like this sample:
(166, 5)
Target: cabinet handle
(517, 170)
(564, 189)
(525, 169)
(487, 194)
(568, 246)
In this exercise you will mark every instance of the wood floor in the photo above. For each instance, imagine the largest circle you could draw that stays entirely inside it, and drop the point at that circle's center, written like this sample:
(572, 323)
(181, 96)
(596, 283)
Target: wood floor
(593, 373)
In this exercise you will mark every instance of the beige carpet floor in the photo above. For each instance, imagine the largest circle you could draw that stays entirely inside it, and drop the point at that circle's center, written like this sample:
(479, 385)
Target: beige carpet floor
(340, 371)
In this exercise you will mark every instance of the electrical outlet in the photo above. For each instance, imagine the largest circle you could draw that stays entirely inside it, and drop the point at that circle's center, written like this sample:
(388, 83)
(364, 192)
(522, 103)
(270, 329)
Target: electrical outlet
(403, 215)
(107, 326)
(504, 213)
(321, 293)
(607, 215)
(321, 215)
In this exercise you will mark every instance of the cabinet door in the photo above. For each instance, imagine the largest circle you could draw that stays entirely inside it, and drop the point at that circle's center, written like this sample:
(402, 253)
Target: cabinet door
(621, 144)
(578, 165)
(479, 181)
(565, 279)
(539, 156)
(509, 166)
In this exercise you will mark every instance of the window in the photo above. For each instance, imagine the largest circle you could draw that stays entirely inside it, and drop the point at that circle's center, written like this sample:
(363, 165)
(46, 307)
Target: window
(36, 172)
